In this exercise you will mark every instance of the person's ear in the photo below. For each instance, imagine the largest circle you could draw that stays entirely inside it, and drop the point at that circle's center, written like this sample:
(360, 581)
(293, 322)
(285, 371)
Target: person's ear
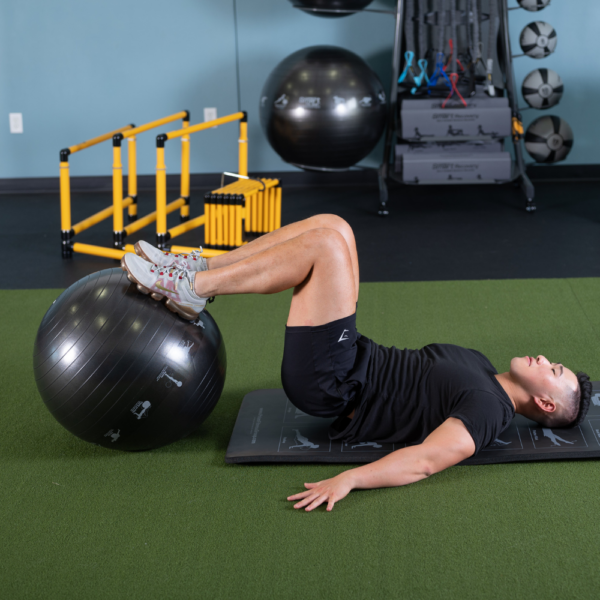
(545, 404)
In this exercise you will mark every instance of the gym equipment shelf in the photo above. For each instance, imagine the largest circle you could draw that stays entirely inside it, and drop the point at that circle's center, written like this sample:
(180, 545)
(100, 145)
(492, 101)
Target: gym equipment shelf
(518, 175)
(386, 170)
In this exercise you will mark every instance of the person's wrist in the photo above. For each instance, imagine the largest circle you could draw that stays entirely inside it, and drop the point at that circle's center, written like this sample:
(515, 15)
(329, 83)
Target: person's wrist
(349, 478)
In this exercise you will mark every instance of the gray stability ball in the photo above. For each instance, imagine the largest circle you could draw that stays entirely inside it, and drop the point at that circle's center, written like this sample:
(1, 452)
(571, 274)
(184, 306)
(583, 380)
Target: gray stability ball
(323, 107)
(119, 370)
(306, 5)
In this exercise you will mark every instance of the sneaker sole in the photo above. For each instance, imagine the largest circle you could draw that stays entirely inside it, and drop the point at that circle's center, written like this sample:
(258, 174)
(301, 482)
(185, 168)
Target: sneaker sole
(184, 312)
(141, 253)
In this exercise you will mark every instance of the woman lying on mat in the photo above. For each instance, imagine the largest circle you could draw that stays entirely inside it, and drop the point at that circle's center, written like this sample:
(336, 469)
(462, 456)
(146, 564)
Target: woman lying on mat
(448, 400)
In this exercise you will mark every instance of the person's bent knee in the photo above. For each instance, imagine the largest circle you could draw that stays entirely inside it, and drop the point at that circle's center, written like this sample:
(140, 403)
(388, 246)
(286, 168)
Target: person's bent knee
(331, 221)
(326, 236)
(328, 242)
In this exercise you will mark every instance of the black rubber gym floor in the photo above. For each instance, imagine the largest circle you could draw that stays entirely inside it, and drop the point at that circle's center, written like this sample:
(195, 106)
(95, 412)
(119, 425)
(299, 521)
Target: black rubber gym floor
(433, 233)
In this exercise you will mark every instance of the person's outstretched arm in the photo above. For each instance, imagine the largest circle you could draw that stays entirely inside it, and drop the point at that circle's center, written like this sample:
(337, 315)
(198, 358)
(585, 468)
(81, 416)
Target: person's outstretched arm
(448, 445)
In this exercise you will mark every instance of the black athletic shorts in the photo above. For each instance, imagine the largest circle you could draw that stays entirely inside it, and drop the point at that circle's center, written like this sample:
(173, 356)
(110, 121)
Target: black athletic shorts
(324, 368)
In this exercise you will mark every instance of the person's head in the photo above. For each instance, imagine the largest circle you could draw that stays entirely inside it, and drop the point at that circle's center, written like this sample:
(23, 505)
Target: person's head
(557, 397)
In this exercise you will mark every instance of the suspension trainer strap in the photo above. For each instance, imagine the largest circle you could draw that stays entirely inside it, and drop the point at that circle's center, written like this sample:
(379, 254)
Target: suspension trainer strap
(476, 49)
(469, 30)
(441, 31)
(409, 32)
(453, 35)
(422, 29)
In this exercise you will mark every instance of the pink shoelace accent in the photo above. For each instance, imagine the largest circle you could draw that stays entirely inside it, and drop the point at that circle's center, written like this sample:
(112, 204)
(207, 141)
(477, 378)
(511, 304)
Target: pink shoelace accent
(168, 279)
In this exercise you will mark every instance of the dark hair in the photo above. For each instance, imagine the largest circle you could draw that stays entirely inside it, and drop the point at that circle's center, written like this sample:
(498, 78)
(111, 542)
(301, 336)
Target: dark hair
(583, 395)
(573, 406)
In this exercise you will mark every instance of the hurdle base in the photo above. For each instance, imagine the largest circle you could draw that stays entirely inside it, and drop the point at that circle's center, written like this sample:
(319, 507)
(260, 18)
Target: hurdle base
(162, 239)
(67, 243)
(118, 239)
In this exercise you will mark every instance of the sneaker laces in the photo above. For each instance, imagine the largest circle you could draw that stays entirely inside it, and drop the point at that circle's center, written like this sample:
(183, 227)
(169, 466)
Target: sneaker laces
(177, 273)
(180, 273)
(184, 255)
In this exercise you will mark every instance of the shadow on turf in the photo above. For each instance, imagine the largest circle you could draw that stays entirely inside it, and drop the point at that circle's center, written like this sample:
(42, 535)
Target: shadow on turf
(53, 441)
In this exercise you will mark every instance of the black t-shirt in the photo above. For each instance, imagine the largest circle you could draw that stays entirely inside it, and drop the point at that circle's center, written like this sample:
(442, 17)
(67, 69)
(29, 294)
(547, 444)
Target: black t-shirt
(409, 393)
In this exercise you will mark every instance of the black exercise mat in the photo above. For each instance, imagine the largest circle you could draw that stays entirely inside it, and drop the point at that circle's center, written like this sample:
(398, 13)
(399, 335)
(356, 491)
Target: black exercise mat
(269, 428)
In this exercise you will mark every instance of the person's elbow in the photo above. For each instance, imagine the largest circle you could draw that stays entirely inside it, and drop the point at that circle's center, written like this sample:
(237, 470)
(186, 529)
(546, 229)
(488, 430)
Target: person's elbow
(425, 467)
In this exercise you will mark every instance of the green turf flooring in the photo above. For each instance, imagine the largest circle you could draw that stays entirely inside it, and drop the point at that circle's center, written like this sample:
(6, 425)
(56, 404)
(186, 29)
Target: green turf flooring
(80, 521)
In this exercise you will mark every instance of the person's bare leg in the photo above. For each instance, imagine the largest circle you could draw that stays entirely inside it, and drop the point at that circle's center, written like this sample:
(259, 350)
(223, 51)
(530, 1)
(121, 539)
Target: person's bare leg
(326, 221)
(316, 263)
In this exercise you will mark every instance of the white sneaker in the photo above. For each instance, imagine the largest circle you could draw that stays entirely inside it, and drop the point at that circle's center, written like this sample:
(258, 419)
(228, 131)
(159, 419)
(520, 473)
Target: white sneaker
(192, 261)
(173, 283)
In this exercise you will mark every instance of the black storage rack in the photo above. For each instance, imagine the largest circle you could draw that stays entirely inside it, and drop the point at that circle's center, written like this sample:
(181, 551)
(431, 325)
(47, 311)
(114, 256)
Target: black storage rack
(386, 170)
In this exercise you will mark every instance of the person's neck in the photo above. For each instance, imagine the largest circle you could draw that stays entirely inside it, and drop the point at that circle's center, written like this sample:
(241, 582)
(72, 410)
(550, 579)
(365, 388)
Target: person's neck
(513, 391)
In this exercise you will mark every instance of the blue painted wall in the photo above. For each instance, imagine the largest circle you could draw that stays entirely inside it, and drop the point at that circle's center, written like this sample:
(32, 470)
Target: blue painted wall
(78, 69)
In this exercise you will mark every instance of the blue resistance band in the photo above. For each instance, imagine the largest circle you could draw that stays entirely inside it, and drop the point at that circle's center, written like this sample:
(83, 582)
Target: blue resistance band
(409, 57)
(439, 72)
(419, 78)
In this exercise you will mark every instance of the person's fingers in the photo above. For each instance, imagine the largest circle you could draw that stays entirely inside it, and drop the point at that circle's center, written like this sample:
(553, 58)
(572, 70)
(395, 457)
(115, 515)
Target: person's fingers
(315, 496)
(300, 495)
(306, 501)
(317, 502)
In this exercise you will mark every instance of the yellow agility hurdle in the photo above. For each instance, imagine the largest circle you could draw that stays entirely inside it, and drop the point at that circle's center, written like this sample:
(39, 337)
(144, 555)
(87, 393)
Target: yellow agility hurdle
(232, 214)
(129, 132)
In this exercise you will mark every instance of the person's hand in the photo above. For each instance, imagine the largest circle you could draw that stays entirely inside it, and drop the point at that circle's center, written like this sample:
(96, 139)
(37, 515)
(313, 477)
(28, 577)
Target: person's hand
(328, 490)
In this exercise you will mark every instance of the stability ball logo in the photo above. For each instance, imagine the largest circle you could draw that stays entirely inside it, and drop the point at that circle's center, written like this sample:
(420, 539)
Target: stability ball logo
(170, 379)
(313, 102)
(144, 408)
(115, 435)
(281, 102)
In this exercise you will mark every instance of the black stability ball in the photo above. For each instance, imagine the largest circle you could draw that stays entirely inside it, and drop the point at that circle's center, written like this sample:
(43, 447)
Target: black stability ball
(331, 5)
(323, 107)
(117, 369)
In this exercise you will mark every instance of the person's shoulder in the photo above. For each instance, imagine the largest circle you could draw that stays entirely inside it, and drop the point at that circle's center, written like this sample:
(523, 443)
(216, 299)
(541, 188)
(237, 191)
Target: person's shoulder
(483, 359)
(484, 414)
(456, 376)
(491, 405)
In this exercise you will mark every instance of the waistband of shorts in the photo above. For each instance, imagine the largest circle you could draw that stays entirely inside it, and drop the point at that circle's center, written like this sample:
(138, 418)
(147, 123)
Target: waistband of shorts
(326, 326)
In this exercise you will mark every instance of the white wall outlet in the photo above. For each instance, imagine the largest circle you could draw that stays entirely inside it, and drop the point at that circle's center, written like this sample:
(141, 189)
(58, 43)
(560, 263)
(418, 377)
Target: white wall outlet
(16, 122)
(210, 114)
